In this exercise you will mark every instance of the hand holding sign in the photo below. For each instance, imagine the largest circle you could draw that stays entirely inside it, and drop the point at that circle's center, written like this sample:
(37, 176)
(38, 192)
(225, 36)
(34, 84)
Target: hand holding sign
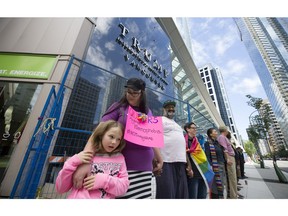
(148, 132)
(142, 117)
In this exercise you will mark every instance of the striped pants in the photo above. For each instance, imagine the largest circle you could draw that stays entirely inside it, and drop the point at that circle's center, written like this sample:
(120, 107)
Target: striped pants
(140, 185)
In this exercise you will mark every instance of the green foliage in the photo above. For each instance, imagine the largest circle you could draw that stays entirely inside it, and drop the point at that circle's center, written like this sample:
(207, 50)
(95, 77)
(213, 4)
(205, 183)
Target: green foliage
(259, 124)
(253, 134)
(254, 102)
(249, 148)
(282, 152)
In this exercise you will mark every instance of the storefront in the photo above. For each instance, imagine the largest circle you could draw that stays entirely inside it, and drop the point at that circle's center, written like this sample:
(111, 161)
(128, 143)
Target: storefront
(17, 99)
(33, 60)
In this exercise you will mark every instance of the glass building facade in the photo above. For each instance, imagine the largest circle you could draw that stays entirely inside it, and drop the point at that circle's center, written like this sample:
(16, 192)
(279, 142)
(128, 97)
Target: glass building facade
(107, 51)
(139, 47)
(266, 42)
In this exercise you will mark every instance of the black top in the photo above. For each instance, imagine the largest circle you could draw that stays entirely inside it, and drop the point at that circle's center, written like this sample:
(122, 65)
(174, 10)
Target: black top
(219, 152)
(241, 158)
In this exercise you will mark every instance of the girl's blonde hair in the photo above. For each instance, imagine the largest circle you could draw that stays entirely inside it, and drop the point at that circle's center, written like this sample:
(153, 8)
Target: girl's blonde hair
(100, 131)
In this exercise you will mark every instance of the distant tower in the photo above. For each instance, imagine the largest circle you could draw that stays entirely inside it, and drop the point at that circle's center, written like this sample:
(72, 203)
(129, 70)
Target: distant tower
(214, 83)
(276, 138)
(266, 40)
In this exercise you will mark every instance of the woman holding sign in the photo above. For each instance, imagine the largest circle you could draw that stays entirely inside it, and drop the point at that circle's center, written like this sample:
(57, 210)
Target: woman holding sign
(138, 158)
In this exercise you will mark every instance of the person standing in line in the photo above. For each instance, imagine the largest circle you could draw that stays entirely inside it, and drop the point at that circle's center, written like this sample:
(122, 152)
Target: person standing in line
(242, 162)
(237, 164)
(230, 160)
(107, 177)
(202, 172)
(138, 158)
(172, 183)
(215, 155)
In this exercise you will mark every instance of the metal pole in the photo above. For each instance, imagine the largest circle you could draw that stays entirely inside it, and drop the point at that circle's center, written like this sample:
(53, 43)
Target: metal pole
(189, 114)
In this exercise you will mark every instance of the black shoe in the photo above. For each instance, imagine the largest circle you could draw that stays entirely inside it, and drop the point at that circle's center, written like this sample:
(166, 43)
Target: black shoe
(243, 177)
(240, 196)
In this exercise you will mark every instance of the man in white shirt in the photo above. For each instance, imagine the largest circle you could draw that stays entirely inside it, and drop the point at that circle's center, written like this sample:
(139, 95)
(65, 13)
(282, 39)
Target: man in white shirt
(172, 183)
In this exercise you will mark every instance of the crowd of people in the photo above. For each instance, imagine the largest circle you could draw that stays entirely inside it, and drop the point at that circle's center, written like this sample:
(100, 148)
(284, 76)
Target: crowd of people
(111, 167)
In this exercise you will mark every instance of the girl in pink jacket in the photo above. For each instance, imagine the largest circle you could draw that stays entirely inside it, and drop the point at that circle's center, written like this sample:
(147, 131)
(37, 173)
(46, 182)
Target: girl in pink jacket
(107, 176)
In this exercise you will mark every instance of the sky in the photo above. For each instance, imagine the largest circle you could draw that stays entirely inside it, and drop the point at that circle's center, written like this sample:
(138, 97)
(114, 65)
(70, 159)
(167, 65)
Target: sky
(216, 41)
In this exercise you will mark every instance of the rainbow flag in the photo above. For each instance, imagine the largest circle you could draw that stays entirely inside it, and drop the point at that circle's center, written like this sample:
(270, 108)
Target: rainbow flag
(199, 157)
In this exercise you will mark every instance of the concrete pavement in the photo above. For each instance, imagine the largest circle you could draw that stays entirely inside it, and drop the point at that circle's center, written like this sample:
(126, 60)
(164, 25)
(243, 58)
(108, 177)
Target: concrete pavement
(262, 183)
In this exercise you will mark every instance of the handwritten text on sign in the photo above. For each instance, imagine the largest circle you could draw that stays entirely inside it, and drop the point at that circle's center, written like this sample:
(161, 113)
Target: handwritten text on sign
(148, 133)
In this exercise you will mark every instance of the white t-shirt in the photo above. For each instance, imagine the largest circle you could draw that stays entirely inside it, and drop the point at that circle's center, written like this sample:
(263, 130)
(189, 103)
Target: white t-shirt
(174, 149)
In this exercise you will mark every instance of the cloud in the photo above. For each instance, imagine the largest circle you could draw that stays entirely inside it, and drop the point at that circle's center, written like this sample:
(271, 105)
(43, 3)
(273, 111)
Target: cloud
(206, 24)
(247, 85)
(133, 27)
(110, 46)
(119, 71)
(222, 44)
(95, 56)
(223, 23)
(212, 39)
(234, 67)
(225, 36)
(103, 25)
(200, 56)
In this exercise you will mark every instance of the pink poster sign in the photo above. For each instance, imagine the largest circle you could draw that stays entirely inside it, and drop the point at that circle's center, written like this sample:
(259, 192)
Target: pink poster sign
(146, 133)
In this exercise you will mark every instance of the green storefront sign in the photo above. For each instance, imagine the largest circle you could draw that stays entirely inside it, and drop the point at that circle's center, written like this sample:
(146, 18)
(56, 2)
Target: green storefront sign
(26, 66)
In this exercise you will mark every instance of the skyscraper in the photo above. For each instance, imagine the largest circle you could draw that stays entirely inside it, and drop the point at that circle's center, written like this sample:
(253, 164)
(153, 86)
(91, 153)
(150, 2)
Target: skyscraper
(214, 83)
(266, 40)
(276, 139)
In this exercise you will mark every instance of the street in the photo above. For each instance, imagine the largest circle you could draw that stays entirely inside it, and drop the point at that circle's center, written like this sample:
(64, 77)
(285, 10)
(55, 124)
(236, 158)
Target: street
(283, 165)
(264, 183)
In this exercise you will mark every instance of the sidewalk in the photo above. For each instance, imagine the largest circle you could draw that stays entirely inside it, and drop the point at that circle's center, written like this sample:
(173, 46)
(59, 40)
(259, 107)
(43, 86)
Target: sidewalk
(262, 183)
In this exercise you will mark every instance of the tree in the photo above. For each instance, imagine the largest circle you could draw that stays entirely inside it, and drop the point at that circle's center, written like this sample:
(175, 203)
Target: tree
(259, 124)
(282, 152)
(254, 102)
(249, 148)
(262, 121)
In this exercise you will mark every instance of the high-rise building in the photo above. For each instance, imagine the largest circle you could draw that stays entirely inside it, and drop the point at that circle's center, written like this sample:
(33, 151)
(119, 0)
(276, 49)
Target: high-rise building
(266, 40)
(275, 136)
(214, 83)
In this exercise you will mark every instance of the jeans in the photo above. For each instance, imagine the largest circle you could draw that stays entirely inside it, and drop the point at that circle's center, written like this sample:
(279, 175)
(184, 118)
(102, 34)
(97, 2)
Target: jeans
(197, 188)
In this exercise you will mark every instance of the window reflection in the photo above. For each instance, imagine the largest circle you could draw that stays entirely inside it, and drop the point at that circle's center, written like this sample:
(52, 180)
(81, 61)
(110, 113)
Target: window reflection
(16, 103)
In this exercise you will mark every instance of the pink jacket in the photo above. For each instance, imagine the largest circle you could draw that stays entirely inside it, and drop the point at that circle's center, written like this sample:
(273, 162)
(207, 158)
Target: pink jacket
(111, 177)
